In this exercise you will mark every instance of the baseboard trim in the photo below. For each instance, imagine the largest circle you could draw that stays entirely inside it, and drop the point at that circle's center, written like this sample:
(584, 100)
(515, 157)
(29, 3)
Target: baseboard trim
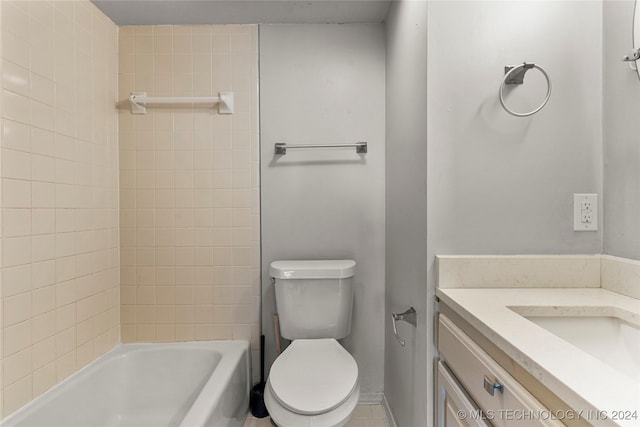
(378, 399)
(370, 398)
(390, 418)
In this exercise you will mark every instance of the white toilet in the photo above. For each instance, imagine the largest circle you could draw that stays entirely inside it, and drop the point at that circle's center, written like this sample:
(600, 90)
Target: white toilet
(314, 382)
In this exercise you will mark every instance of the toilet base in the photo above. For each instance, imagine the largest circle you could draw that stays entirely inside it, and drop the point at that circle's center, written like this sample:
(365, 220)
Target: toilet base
(337, 417)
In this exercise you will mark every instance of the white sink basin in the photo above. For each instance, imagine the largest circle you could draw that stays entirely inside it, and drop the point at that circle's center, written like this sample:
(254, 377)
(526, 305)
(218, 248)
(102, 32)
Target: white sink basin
(605, 336)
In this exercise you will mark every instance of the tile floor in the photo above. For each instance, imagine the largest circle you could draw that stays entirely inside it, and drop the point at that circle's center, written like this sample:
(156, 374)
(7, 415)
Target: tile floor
(363, 416)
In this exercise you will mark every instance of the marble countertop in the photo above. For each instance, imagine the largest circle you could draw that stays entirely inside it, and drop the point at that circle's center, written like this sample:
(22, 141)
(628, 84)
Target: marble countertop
(579, 379)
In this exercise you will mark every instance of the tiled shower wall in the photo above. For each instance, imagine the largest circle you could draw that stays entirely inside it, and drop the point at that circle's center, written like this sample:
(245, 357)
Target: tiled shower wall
(189, 185)
(59, 204)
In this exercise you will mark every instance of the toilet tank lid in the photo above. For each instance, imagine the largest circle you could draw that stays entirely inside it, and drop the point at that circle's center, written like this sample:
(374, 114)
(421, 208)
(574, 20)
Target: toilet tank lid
(312, 269)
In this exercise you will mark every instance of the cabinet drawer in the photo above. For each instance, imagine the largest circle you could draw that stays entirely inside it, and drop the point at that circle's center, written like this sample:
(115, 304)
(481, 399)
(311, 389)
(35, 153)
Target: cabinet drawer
(511, 406)
(454, 407)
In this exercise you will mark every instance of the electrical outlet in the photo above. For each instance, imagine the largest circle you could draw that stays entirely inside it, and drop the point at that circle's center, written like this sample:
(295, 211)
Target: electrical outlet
(585, 212)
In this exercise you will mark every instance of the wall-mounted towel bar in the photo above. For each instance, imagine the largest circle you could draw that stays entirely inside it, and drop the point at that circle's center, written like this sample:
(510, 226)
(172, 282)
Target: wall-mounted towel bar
(139, 101)
(281, 148)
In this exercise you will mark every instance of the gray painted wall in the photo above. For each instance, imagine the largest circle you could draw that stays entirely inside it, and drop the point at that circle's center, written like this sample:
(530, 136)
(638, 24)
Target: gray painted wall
(325, 84)
(500, 184)
(621, 113)
(407, 369)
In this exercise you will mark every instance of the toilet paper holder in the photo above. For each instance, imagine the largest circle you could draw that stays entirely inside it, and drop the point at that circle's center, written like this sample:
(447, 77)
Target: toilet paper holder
(408, 316)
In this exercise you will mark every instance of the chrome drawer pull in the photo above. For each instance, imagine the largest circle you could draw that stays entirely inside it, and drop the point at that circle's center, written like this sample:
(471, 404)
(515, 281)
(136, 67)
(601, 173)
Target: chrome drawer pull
(491, 386)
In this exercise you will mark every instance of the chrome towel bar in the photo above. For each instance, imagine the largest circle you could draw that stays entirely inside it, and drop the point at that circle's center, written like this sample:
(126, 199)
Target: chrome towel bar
(281, 147)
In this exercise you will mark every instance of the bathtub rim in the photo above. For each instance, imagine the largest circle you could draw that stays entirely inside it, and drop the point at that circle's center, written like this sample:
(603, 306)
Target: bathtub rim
(212, 391)
(232, 351)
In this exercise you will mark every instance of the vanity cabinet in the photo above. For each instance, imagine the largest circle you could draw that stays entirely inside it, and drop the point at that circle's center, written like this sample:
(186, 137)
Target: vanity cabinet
(468, 378)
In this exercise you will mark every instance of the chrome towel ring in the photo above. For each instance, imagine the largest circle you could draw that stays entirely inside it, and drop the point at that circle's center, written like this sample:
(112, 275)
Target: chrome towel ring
(515, 75)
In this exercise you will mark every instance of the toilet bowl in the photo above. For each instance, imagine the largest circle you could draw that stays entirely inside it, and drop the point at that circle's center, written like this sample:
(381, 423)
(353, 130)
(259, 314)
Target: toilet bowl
(313, 383)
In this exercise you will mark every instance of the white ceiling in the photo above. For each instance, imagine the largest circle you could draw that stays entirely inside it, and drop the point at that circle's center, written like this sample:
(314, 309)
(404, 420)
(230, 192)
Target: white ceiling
(177, 12)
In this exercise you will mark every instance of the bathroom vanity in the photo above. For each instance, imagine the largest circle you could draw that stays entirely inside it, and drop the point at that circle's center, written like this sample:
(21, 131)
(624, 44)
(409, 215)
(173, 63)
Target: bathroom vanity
(559, 346)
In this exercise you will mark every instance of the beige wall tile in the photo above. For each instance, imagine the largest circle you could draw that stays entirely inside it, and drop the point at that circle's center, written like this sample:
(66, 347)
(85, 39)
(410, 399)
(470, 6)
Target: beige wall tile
(43, 300)
(17, 366)
(16, 251)
(15, 107)
(16, 193)
(15, 78)
(44, 352)
(15, 135)
(16, 338)
(16, 280)
(65, 365)
(16, 222)
(17, 394)
(16, 309)
(15, 47)
(43, 379)
(59, 191)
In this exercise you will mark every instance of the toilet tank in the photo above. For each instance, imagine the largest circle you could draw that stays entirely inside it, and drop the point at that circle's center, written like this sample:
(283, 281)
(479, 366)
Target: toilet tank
(314, 298)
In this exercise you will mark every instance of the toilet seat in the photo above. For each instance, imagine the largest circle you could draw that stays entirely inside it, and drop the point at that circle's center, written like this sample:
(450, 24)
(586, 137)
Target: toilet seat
(339, 417)
(313, 377)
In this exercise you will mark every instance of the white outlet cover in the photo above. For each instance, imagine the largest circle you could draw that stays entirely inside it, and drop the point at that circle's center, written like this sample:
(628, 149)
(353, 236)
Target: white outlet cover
(580, 201)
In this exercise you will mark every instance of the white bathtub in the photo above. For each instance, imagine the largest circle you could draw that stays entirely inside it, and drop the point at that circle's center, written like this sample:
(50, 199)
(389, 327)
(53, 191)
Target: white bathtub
(193, 384)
